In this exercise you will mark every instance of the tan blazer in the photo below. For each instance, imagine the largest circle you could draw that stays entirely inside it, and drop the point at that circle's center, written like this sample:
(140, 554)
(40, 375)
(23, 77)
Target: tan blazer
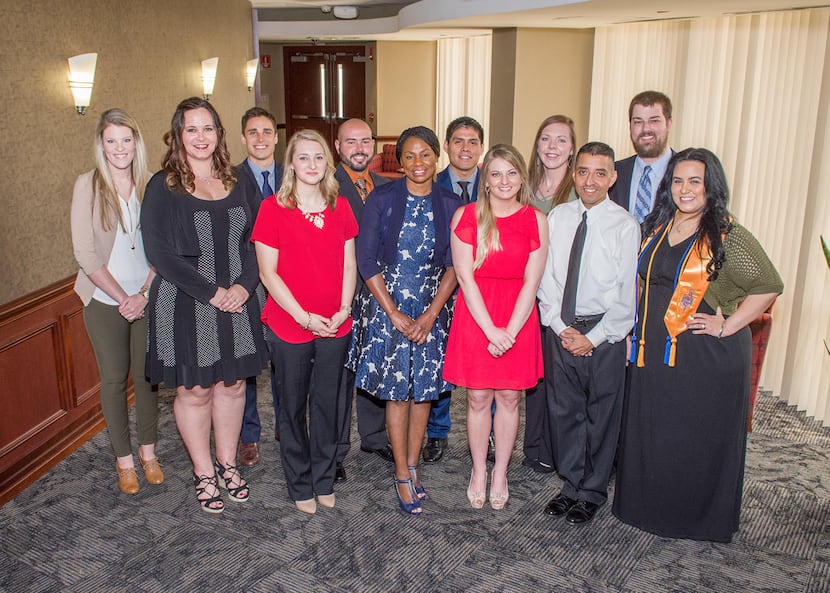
(90, 242)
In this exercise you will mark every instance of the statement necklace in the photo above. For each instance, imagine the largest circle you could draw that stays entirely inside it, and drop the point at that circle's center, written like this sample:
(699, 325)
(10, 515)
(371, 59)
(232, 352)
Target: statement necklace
(318, 219)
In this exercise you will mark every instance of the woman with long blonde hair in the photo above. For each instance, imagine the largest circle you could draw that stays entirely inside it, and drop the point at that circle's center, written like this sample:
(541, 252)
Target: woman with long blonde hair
(304, 239)
(113, 282)
(499, 245)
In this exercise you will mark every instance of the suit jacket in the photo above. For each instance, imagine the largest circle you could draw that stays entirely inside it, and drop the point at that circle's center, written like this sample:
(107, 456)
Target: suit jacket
(349, 191)
(445, 181)
(244, 168)
(620, 192)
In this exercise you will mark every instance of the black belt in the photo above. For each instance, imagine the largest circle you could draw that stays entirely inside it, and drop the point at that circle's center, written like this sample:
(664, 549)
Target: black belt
(586, 323)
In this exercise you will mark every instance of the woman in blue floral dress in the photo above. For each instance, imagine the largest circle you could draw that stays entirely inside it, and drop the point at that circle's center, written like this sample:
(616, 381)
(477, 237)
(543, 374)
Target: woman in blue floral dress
(402, 326)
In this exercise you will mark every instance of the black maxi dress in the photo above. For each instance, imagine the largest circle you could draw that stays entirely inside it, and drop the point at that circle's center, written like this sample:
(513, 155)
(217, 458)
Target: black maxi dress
(683, 441)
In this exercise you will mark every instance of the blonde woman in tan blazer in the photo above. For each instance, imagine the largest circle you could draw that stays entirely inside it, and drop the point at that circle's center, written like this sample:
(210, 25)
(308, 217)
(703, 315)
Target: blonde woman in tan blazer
(113, 281)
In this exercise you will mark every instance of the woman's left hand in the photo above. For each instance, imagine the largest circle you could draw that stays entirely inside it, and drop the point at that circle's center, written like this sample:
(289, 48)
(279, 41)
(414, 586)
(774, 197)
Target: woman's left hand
(334, 323)
(233, 300)
(701, 323)
(133, 307)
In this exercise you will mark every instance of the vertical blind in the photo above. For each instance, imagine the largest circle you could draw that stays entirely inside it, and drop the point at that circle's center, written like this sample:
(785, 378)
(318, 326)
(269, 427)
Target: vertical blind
(463, 85)
(755, 89)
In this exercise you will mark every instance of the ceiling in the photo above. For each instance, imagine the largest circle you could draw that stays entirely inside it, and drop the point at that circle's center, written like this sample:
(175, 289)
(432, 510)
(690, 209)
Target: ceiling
(292, 20)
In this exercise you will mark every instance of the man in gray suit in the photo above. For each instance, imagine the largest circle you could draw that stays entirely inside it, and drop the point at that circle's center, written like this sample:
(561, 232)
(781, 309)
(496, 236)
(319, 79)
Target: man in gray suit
(356, 147)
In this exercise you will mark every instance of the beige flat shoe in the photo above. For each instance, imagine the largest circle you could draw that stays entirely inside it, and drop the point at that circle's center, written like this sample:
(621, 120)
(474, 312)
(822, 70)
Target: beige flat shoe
(127, 479)
(309, 507)
(152, 470)
(326, 500)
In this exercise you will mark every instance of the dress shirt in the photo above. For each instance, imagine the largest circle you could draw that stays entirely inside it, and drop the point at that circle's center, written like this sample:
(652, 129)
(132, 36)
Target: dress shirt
(272, 176)
(658, 169)
(354, 176)
(457, 188)
(607, 276)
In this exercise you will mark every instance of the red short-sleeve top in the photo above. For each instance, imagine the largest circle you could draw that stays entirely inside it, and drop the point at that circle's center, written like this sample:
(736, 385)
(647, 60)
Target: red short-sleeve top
(310, 262)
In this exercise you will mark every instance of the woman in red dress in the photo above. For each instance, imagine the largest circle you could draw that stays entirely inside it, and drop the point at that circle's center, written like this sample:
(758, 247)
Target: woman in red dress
(494, 348)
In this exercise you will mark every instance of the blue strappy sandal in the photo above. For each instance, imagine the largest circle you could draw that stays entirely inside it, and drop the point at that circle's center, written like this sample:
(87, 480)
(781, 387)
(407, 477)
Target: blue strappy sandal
(410, 508)
(420, 491)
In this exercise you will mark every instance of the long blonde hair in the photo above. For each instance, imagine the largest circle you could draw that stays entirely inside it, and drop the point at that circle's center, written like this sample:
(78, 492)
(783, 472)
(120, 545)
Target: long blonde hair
(537, 170)
(487, 239)
(329, 186)
(103, 186)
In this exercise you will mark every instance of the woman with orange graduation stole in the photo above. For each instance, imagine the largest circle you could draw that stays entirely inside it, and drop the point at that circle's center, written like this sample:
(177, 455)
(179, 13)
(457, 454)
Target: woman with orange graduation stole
(704, 278)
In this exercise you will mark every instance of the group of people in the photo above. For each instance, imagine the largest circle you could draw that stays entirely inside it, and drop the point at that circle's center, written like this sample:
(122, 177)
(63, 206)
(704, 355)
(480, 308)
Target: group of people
(615, 295)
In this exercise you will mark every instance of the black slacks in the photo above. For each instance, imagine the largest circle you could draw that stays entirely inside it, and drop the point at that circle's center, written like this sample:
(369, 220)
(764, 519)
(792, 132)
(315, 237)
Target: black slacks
(308, 379)
(371, 417)
(586, 415)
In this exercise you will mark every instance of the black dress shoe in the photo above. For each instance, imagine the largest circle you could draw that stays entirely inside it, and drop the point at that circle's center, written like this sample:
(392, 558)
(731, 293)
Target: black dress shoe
(491, 449)
(434, 450)
(559, 505)
(537, 466)
(581, 512)
(384, 452)
(339, 473)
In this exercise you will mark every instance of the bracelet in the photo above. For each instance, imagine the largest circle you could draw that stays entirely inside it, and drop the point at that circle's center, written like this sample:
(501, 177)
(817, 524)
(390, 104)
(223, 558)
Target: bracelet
(145, 292)
(720, 333)
(308, 323)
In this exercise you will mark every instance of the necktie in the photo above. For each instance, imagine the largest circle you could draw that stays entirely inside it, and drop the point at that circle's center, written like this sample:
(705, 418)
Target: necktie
(266, 187)
(361, 187)
(465, 195)
(643, 204)
(572, 280)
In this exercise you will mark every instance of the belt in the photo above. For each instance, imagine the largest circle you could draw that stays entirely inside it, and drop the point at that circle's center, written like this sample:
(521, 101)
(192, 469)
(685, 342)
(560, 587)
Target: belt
(586, 322)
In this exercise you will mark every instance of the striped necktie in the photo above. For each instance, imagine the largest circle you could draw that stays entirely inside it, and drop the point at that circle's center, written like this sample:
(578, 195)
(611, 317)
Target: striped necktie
(643, 204)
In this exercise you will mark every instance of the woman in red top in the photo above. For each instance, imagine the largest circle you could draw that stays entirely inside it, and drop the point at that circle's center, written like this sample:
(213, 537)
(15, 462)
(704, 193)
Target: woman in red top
(304, 239)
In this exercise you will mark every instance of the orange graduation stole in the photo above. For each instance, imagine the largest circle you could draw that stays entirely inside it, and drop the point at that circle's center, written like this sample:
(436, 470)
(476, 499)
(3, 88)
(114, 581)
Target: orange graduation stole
(690, 283)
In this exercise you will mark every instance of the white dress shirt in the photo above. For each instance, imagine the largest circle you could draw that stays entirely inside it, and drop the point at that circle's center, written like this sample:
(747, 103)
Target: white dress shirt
(607, 275)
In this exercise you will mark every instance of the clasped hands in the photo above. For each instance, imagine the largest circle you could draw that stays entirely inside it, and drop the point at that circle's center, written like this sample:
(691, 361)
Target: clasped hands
(575, 342)
(133, 307)
(230, 300)
(500, 340)
(414, 330)
(326, 327)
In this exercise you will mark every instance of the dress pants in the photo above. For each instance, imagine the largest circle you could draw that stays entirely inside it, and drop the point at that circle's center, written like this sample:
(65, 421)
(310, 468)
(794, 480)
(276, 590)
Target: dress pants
(538, 444)
(251, 427)
(308, 378)
(371, 418)
(586, 414)
(438, 425)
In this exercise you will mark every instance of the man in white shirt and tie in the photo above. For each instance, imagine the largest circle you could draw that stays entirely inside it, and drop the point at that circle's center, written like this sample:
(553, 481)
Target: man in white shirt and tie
(587, 298)
(650, 120)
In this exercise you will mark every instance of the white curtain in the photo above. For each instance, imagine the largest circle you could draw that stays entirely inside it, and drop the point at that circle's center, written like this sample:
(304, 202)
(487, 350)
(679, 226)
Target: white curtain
(463, 85)
(755, 89)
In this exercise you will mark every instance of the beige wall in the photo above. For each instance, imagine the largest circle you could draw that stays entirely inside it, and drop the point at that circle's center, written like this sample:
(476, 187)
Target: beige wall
(537, 73)
(148, 60)
(406, 73)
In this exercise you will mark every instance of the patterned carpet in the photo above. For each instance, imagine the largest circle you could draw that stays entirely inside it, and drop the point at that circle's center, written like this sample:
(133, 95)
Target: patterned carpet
(74, 531)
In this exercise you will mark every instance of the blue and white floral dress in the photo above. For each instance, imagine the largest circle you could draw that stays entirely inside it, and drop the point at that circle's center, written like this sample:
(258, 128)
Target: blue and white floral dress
(386, 363)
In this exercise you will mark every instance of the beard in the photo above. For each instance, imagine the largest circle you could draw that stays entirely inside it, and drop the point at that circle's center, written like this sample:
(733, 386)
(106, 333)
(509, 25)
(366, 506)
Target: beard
(653, 150)
(357, 168)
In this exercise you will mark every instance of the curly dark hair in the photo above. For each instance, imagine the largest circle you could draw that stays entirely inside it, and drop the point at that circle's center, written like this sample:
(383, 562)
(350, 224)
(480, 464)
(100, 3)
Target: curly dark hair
(179, 174)
(715, 220)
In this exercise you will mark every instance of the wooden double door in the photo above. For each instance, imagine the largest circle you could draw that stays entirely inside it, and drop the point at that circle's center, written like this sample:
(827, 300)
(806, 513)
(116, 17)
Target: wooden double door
(324, 86)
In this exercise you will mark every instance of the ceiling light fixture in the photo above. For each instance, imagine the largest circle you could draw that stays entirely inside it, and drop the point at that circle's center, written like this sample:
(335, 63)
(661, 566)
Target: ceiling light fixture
(345, 12)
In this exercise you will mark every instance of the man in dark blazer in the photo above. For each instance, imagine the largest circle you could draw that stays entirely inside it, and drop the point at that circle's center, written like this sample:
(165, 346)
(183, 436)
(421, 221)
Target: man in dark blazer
(464, 144)
(259, 135)
(356, 147)
(649, 120)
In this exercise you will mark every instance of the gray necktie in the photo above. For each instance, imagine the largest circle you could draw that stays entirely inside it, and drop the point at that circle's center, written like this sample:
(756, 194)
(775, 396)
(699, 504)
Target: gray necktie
(465, 195)
(572, 279)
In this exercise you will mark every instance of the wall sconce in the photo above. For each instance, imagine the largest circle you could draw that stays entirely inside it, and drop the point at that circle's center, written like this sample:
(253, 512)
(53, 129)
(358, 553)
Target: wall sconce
(250, 72)
(81, 79)
(209, 67)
